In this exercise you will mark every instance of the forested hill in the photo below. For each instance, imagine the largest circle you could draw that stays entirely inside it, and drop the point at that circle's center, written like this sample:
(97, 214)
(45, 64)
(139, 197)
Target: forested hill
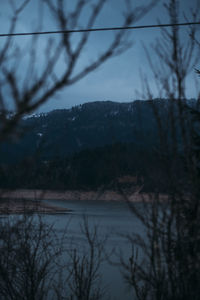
(63, 132)
(92, 145)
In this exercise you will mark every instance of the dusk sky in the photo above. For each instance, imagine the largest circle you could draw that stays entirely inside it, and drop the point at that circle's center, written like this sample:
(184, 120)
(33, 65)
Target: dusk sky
(119, 78)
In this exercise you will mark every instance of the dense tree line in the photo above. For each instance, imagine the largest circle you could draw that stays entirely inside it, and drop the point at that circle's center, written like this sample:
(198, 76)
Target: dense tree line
(89, 169)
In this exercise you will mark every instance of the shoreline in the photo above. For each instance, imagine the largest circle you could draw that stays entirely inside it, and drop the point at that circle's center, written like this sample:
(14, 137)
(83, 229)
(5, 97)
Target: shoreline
(31, 201)
(73, 195)
(18, 206)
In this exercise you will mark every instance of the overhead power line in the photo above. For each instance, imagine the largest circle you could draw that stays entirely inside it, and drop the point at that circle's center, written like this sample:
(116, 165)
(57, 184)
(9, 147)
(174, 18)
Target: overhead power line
(97, 29)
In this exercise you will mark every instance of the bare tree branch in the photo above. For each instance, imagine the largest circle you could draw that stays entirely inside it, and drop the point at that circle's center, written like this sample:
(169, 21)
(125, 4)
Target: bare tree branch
(38, 86)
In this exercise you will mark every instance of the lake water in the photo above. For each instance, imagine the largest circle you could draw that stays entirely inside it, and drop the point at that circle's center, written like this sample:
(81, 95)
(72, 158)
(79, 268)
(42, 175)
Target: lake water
(113, 219)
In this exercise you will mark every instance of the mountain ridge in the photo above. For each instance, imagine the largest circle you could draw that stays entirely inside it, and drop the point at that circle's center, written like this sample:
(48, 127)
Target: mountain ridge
(87, 126)
(92, 145)
(63, 132)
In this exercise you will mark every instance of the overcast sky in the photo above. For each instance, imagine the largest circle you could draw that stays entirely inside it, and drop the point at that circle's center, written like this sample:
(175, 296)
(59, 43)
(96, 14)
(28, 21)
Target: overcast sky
(119, 78)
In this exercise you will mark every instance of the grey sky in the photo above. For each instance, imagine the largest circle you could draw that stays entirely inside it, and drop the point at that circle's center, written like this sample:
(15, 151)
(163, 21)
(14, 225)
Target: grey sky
(116, 80)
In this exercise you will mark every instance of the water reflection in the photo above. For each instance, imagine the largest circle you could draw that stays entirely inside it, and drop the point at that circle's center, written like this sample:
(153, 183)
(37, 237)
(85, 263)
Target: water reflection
(114, 220)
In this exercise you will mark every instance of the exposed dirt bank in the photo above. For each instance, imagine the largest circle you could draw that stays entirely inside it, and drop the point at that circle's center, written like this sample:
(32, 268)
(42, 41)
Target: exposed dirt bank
(19, 206)
(106, 195)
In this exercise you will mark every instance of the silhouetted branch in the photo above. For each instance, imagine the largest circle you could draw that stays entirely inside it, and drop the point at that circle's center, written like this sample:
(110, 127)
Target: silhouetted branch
(41, 85)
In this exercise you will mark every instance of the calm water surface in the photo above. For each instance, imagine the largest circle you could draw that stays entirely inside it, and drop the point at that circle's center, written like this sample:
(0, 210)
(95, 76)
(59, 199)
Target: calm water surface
(114, 219)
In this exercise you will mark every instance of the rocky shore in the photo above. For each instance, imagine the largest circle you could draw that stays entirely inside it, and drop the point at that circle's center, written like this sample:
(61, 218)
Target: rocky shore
(101, 195)
(19, 206)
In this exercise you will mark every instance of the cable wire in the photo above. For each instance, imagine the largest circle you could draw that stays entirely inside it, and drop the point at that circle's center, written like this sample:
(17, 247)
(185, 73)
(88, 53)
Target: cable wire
(97, 29)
